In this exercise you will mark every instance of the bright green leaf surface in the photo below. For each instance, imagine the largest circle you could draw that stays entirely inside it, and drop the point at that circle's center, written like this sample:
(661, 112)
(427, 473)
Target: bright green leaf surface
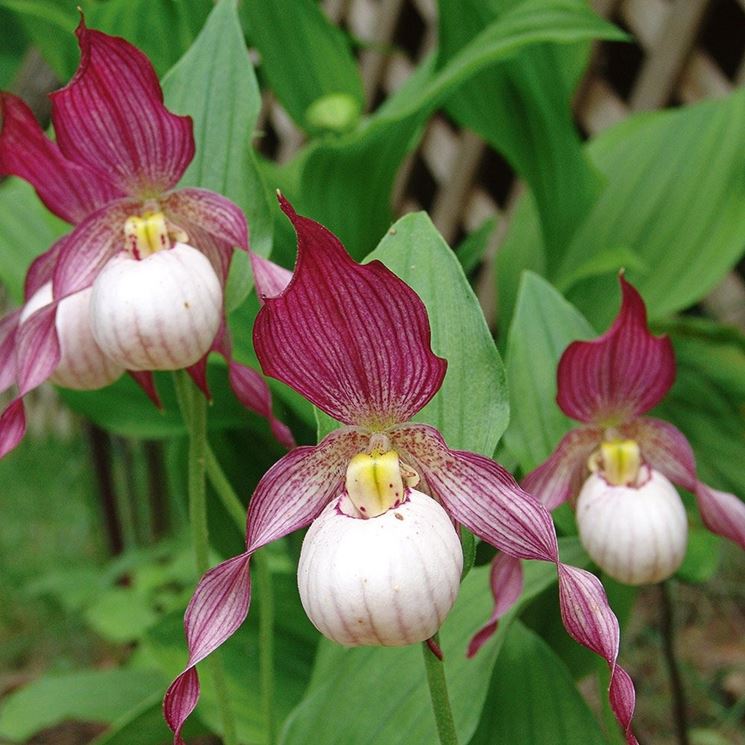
(533, 699)
(306, 61)
(543, 325)
(95, 695)
(359, 169)
(523, 110)
(215, 84)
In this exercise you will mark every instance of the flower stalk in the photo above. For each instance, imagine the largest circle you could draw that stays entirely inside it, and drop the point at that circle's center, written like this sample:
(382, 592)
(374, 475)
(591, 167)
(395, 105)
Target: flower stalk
(194, 412)
(438, 691)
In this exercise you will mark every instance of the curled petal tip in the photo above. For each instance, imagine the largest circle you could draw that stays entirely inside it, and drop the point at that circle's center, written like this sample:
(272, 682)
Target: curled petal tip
(435, 648)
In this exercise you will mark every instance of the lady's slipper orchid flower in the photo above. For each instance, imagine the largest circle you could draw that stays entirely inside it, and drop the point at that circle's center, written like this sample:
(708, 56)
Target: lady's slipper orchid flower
(111, 172)
(618, 465)
(355, 341)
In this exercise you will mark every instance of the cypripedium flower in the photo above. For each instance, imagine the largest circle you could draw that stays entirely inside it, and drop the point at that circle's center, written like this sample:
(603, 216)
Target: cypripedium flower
(111, 172)
(381, 562)
(619, 464)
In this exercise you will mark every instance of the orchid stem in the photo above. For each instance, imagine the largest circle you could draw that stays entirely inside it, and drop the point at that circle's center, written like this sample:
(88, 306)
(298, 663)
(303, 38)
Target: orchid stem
(438, 692)
(194, 412)
(234, 507)
(667, 629)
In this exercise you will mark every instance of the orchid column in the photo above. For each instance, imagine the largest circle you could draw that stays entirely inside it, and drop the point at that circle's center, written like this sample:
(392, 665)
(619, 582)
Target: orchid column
(355, 341)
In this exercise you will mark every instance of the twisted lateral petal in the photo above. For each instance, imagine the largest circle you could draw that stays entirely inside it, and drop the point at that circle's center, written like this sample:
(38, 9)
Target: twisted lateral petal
(218, 607)
(110, 118)
(560, 477)
(68, 189)
(42, 268)
(353, 339)
(91, 244)
(621, 374)
(666, 448)
(292, 493)
(589, 621)
(479, 493)
(270, 279)
(8, 328)
(212, 223)
(12, 426)
(37, 348)
(251, 389)
(506, 580)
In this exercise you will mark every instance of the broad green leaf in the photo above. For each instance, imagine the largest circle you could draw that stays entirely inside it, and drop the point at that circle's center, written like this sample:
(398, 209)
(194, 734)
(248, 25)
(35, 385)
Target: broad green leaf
(471, 408)
(92, 695)
(163, 29)
(533, 699)
(523, 109)
(307, 62)
(13, 42)
(214, 83)
(674, 195)
(357, 171)
(25, 232)
(397, 709)
(543, 325)
(703, 556)
(471, 249)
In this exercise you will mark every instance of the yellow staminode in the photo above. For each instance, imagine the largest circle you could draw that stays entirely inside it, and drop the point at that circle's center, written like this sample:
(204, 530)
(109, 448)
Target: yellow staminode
(620, 461)
(146, 234)
(374, 482)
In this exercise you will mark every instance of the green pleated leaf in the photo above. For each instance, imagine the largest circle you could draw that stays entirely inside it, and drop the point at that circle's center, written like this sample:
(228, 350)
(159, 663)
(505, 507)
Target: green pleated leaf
(674, 195)
(307, 62)
(215, 84)
(523, 109)
(357, 171)
(543, 325)
(471, 409)
(91, 695)
(385, 688)
(532, 699)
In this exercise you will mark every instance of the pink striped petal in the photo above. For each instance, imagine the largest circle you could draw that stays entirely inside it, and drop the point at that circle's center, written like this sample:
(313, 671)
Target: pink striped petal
(251, 389)
(481, 495)
(589, 620)
(560, 477)
(253, 392)
(90, 245)
(68, 189)
(12, 426)
(292, 493)
(218, 607)
(8, 328)
(289, 497)
(353, 339)
(506, 580)
(623, 373)
(41, 270)
(665, 448)
(270, 279)
(212, 223)
(37, 348)
(110, 118)
(146, 381)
